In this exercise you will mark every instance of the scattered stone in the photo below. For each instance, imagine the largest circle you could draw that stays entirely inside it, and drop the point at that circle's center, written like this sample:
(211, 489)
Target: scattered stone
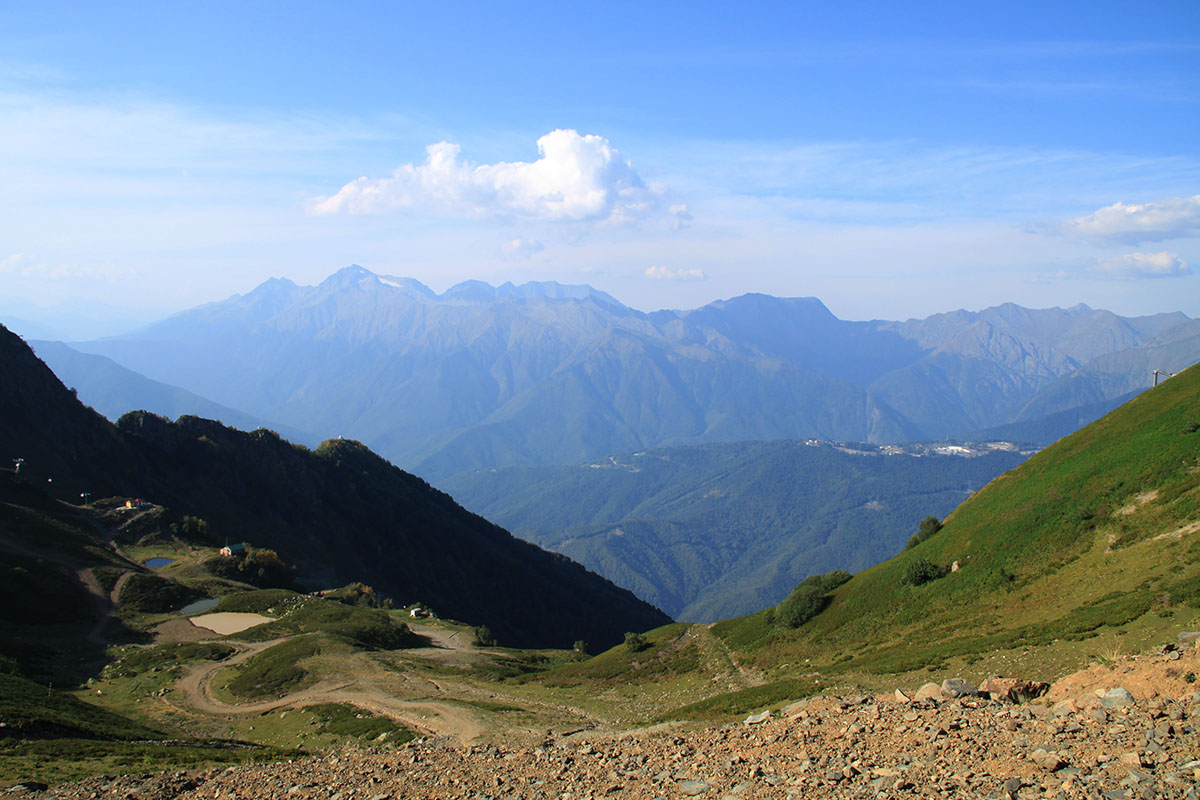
(930, 691)
(901, 697)
(755, 719)
(832, 748)
(1047, 760)
(691, 788)
(957, 687)
(1117, 698)
(1065, 707)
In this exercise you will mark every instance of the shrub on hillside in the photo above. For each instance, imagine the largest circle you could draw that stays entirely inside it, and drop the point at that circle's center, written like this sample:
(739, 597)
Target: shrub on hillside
(929, 526)
(923, 571)
(635, 642)
(484, 636)
(808, 599)
(800, 606)
(359, 594)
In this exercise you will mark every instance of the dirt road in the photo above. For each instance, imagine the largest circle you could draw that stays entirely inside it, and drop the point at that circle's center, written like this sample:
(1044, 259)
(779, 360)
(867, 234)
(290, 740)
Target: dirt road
(450, 717)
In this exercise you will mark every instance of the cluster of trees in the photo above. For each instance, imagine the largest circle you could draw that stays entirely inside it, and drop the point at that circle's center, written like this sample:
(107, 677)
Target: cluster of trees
(259, 567)
(358, 593)
(191, 528)
(484, 636)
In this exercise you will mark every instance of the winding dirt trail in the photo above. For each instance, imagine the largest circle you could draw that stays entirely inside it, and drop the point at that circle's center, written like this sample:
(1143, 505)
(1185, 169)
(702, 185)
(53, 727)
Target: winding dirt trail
(718, 652)
(428, 715)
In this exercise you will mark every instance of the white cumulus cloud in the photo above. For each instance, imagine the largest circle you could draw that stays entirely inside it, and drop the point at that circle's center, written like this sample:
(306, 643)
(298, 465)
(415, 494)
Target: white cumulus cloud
(1144, 265)
(669, 274)
(575, 178)
(1141, 222)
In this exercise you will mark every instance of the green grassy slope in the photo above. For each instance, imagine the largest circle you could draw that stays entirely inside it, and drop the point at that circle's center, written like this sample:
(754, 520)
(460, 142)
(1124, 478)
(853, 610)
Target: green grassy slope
(1100, 530)
(49, 736)
(32, 711)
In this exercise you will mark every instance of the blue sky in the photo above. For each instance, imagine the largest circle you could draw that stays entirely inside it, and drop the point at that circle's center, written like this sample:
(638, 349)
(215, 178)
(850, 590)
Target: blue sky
(893, 159)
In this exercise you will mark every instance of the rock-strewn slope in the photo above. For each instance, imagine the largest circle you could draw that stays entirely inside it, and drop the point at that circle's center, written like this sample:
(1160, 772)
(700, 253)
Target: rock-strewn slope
(1088, 745)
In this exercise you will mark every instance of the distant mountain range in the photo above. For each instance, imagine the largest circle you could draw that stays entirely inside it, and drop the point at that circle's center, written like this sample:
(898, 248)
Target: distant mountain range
(711, 531)
(542, 373)
(340, 513)
(112, 390)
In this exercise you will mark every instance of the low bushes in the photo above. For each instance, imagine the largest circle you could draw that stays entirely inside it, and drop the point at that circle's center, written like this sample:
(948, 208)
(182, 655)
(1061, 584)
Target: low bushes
(808, 599)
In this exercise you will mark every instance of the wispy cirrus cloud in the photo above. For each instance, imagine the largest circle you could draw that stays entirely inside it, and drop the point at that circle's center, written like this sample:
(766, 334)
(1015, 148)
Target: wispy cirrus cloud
(658, 273)
(1140, 222)
(1133, 266)
(20, 264)
(575, 178)
(1123, 267)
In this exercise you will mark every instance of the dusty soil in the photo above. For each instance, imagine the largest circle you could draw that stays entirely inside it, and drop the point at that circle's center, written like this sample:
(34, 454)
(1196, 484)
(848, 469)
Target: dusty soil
(227, 622)
(1146, 677)
(180, 630)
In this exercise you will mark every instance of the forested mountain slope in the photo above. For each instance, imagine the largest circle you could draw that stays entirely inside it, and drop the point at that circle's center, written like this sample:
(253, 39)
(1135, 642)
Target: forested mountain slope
(483, 376)
(340, 512)
(712, 531)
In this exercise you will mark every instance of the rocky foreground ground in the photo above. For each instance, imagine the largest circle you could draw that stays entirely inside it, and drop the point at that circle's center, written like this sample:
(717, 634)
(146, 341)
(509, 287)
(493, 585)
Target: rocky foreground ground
(1130, 729)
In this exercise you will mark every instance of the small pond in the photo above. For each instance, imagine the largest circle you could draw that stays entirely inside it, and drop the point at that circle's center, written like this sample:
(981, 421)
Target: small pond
(199, 605)
(155, 563)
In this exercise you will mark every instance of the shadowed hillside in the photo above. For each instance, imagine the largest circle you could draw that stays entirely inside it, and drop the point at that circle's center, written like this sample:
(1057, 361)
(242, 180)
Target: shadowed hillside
(340, 513)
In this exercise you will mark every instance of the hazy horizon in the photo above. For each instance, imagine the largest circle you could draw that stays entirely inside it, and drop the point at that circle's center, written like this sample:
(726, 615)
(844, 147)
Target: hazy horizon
(70, 320)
